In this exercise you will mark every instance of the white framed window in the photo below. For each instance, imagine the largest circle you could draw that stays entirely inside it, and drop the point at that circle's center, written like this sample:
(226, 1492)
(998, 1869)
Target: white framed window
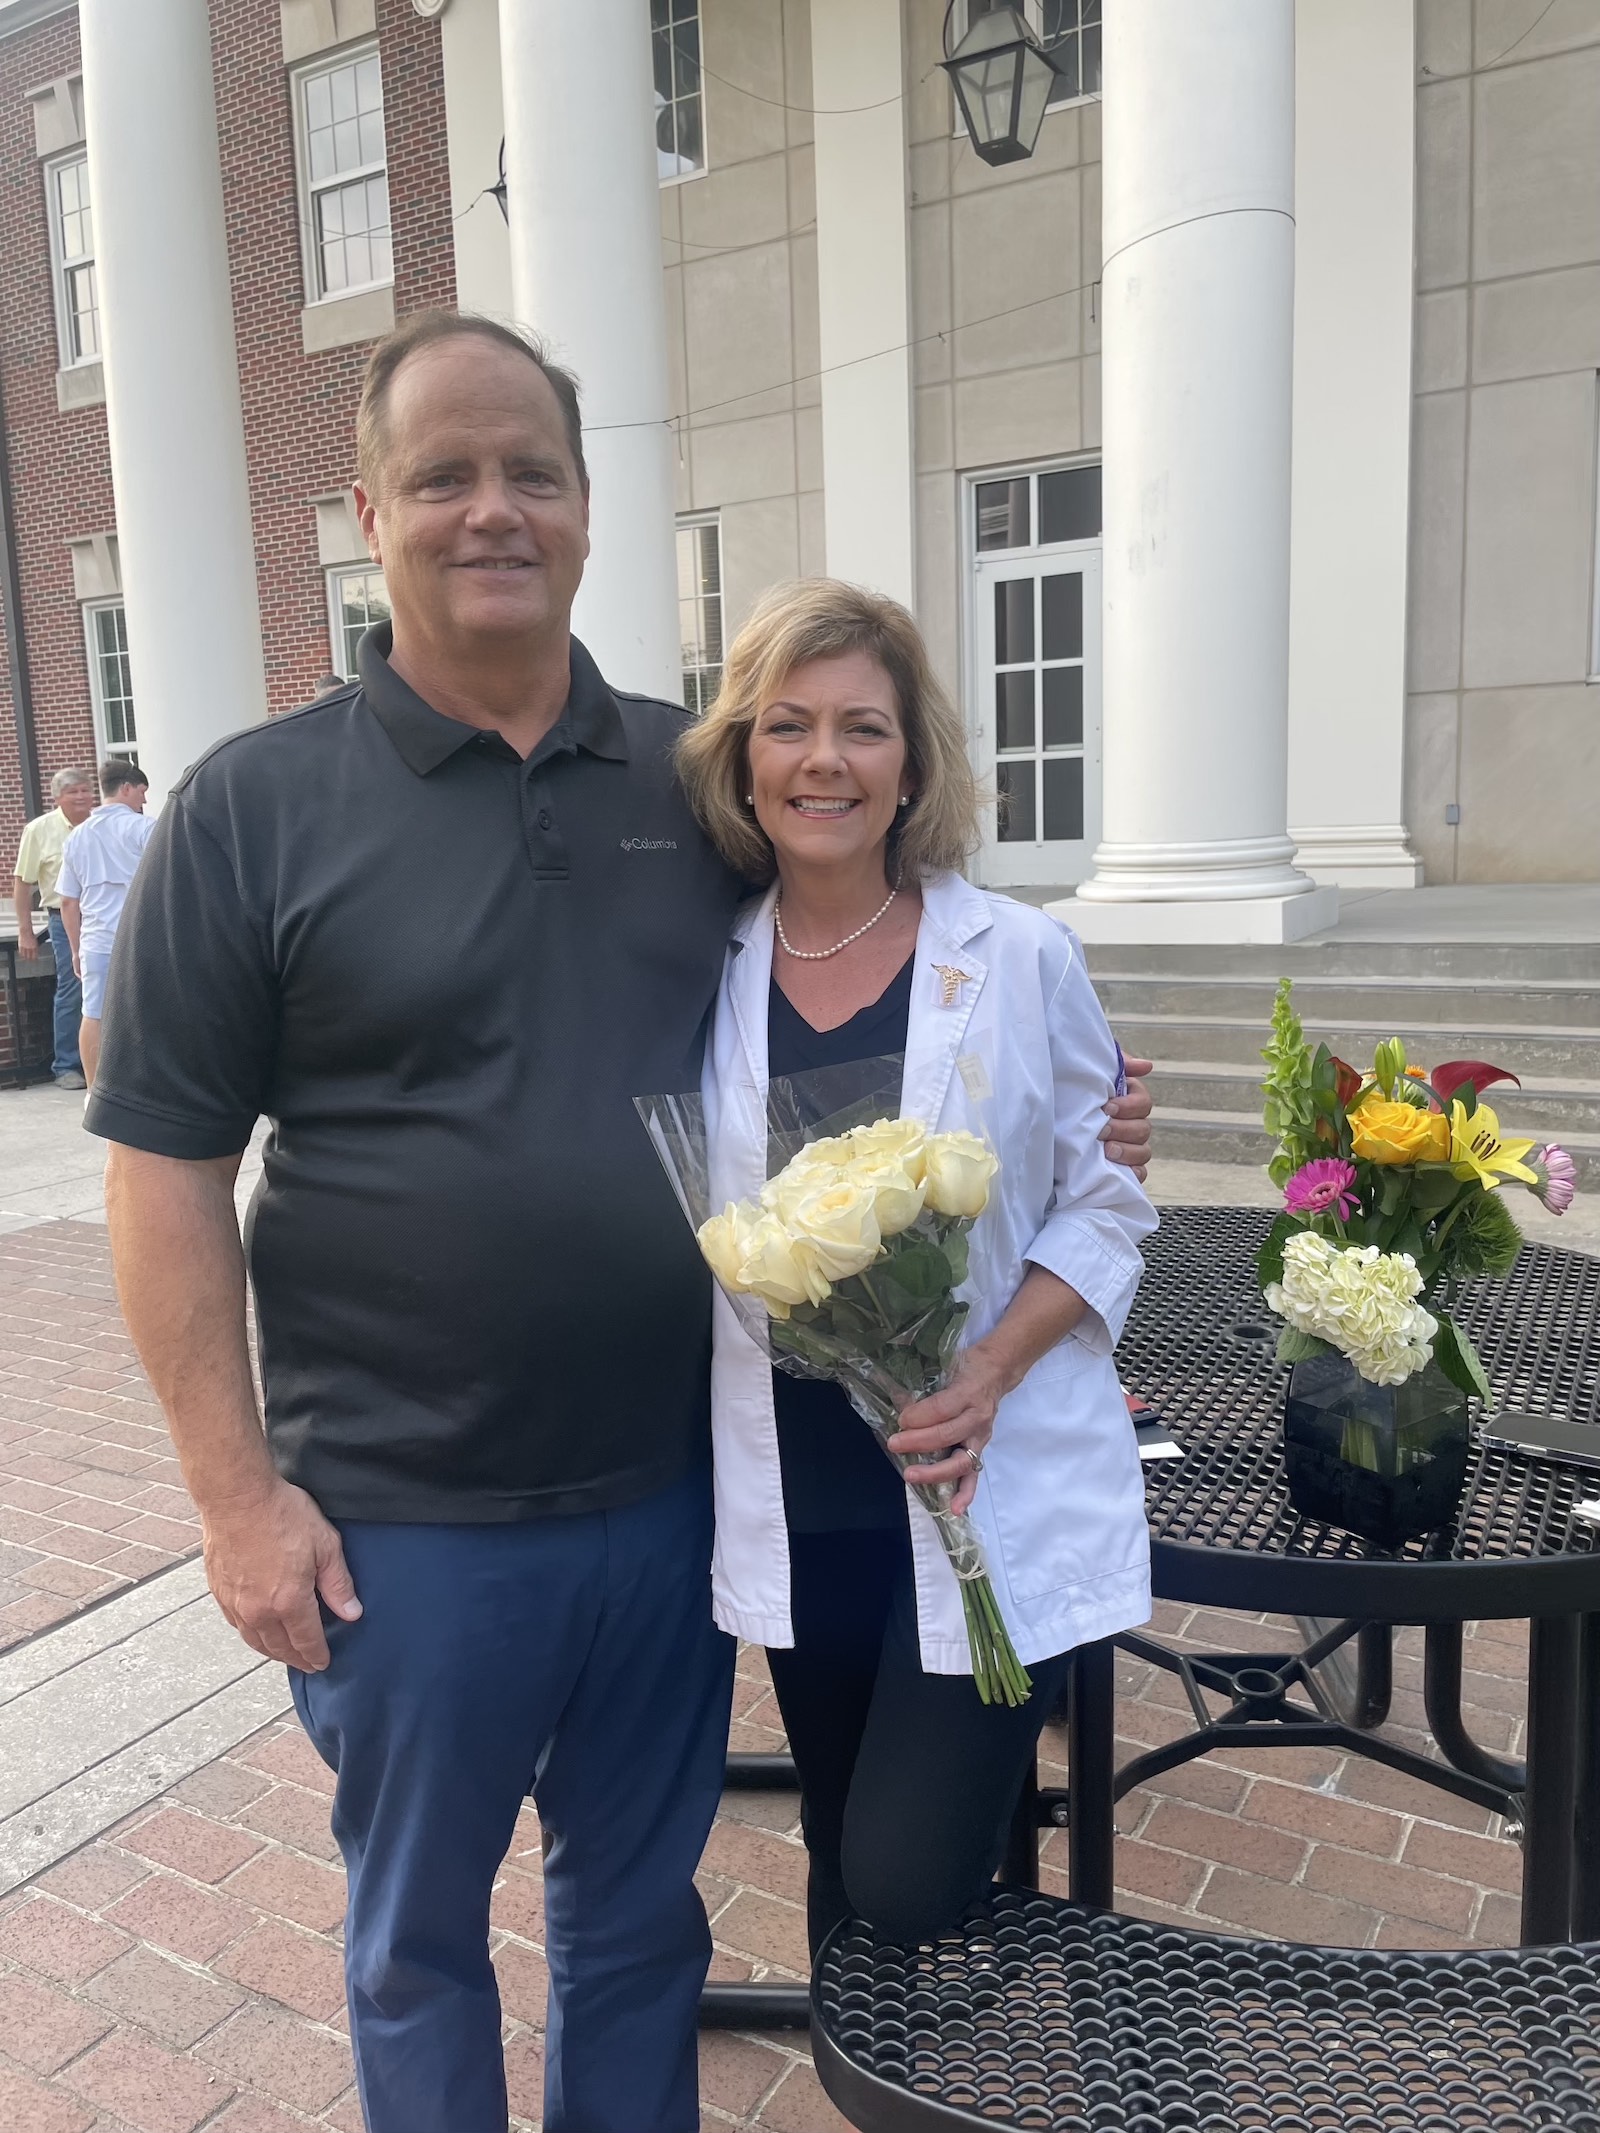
(1069, 30)
(357, 598)
(105, 625)
(1033, 536)
(72, 257)
(700, 608)
(680, 104)
(344, 175)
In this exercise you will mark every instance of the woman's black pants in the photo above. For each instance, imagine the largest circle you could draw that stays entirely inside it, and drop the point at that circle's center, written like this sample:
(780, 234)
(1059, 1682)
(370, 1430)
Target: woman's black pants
(908, 1780)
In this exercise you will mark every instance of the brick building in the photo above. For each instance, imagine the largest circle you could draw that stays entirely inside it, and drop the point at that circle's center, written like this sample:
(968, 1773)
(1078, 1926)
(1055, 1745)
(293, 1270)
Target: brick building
(301, 345)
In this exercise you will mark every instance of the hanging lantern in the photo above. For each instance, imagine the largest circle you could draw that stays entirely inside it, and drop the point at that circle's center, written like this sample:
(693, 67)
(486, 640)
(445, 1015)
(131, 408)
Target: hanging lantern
(1003, 77)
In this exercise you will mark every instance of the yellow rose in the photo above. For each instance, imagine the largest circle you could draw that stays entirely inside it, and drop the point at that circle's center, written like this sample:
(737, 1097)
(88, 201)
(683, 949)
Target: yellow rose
(722, 1241)
(897, 1195)
(782, 1270)
(959, 1169)
(816, 1162)
(1392, 1133)
(900, 1138)
(838, 1223)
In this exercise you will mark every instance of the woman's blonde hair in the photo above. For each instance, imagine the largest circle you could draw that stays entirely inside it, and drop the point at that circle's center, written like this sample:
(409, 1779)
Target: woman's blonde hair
(823, 618)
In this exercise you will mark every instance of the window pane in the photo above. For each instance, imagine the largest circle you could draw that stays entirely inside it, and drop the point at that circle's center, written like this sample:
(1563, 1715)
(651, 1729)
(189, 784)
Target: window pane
(1091, 62)
(691, 141)
(1013, 710)
(1063, 797)
(342, 89)
(83, 313)
(319, 104)
(1066, 84)
(1063, 707)
(1003, 514)
(1013, 621)
(661, 57)
(1014, 782)
(1069, 504)
(1061, 603)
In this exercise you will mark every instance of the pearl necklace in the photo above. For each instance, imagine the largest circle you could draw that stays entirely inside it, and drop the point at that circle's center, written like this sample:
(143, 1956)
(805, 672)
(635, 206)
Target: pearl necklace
(821, 955)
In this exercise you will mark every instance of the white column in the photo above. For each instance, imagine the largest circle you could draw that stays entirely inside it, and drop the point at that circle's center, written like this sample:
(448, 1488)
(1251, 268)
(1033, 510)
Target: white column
(586, 272)
(864, 294)
(172, 380)
(1352, 440)
(469, 48)
(1198, 318)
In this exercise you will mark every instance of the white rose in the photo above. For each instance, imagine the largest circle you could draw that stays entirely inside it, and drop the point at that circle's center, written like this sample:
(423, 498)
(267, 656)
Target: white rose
(722, 1241)
(838, 1223)
(899, 1138)
(959, 1169)
(817, 1162)
(779, 1268)
(897, 1195)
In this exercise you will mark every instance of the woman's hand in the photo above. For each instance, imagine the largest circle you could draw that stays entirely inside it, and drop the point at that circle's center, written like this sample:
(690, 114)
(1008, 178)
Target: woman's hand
(960, 1416)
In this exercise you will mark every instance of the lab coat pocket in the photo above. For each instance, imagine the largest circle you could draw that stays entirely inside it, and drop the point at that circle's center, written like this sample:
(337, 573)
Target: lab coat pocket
(1055, 1488)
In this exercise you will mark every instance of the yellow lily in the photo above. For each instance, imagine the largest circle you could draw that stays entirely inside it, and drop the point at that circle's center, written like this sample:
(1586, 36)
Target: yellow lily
(1477, 1150)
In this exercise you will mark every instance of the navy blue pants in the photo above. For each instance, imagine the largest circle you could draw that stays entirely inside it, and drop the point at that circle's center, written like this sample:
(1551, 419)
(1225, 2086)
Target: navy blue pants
(575, 1656)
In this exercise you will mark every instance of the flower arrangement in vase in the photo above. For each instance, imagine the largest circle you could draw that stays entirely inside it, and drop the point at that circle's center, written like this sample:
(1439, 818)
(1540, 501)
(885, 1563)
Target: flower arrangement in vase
(1391, 1181)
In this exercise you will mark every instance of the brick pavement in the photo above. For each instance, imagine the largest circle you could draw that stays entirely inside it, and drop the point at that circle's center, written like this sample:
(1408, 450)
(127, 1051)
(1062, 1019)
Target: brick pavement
(91, 1498)
(181, 1971)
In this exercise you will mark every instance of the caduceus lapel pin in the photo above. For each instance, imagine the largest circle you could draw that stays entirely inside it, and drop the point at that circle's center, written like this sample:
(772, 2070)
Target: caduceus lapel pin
(951, 981)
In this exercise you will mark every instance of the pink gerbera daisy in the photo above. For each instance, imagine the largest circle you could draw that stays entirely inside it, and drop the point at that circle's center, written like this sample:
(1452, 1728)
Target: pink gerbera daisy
(1325, 1187)
(1558, 1183)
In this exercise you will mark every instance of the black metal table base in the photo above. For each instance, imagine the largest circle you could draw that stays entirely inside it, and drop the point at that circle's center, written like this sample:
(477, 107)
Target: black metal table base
(743, 2004)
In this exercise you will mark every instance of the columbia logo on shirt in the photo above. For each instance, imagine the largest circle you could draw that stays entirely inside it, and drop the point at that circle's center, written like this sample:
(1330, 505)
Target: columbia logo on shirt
(649, 844)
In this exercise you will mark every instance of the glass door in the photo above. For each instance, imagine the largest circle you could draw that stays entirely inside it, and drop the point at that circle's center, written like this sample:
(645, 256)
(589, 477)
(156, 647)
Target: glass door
(1036, 615)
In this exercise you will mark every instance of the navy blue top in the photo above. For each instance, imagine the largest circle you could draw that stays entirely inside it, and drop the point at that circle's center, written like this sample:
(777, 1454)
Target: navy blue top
(836, 1477)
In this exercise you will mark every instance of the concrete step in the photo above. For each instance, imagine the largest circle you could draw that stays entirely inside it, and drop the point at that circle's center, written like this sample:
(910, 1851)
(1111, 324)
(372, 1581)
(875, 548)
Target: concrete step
(1533, 1052)
(1497, 1002)
(1527, 963)
(1549, 1108)
(1197, 1136)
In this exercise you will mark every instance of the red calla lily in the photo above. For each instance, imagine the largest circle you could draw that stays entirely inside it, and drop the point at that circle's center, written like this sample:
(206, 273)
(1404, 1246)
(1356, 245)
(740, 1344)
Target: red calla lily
(1456, 1073)
(1348, 1081)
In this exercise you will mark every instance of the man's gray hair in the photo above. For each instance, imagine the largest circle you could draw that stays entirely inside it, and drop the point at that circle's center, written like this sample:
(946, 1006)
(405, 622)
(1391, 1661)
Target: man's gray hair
(71, 774)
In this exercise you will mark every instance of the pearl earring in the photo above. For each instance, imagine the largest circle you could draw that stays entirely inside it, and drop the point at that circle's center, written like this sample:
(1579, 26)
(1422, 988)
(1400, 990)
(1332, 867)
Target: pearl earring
(905, 799)
(749, 799)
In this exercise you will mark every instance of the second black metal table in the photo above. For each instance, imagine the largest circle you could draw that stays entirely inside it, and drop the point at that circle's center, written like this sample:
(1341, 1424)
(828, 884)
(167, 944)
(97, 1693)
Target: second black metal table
(1200, 1346)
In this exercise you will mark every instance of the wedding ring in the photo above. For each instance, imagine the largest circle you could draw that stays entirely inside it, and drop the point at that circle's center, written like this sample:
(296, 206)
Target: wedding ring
(977, 1463)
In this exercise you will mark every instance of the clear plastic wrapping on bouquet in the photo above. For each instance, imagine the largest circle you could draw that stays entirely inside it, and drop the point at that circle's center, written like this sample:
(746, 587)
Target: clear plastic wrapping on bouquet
(859, 1287)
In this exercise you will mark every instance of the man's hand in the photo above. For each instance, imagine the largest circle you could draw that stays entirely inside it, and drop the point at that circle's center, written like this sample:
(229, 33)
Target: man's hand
(1127, 1137)
(27, 939)
(267, 1562)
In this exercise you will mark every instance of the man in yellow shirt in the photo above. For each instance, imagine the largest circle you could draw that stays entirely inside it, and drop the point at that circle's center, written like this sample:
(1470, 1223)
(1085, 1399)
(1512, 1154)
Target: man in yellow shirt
(38, 864)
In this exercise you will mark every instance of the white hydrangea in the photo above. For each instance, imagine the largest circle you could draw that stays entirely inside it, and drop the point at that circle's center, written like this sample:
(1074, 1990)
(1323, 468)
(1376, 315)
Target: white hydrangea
(1359, 1300)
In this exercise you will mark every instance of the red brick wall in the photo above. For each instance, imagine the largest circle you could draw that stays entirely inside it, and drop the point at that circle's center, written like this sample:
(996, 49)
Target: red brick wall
(299, 410)
(60, 471)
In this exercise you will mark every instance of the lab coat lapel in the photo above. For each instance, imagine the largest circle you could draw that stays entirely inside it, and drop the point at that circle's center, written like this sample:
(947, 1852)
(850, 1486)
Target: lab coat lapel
(946, 981)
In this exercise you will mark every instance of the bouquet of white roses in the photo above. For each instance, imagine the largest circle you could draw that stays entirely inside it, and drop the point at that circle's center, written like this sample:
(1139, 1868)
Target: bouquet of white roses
(845, 1266)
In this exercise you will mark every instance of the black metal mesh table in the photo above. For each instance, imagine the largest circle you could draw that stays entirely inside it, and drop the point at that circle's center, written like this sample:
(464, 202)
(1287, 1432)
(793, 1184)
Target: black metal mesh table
(1200, 1346)
(1049, 2018)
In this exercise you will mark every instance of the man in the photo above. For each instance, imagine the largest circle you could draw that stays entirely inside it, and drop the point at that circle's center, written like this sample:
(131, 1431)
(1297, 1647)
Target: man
(38, 864)
(484, 1321)
(98, 863)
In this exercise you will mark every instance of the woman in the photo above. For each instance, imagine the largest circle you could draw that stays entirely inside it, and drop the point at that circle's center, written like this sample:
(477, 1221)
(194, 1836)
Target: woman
(833, 767)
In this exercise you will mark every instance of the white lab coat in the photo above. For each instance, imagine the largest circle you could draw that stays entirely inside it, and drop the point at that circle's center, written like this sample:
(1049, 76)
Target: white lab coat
(1060, 1502)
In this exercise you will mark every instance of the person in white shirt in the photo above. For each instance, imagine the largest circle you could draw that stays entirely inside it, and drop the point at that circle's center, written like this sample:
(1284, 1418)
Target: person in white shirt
(97, 867)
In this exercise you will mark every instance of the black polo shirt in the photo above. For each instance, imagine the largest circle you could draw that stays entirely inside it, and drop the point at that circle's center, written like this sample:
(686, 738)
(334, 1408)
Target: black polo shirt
(443, 974)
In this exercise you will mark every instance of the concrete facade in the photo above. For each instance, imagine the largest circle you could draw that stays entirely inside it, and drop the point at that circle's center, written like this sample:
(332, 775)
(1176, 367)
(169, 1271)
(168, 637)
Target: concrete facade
(1486, 515)
(1503, 710)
